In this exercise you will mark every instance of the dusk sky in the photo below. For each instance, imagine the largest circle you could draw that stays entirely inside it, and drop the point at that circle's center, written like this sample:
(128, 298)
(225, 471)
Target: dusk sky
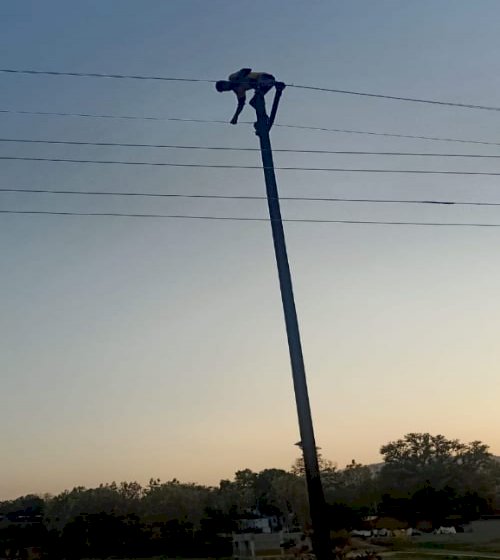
(138, 348)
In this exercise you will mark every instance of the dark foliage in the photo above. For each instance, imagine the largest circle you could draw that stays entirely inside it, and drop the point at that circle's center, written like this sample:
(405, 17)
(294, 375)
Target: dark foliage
(424, 477)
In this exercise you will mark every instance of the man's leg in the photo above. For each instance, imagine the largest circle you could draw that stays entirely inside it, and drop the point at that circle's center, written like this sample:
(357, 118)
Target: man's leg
(252, 101)
(263, 87)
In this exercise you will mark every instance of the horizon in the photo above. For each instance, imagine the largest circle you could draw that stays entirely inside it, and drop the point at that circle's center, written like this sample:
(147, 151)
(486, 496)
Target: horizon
(208, 484)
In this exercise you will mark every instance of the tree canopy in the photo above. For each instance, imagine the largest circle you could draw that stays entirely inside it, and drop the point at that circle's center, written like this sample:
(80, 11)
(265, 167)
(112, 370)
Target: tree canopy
(420, 459)
(422, 475)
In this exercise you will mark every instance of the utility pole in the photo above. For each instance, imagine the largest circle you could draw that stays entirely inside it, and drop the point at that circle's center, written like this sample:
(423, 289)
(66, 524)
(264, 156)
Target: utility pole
(321, 536)
(317, 506)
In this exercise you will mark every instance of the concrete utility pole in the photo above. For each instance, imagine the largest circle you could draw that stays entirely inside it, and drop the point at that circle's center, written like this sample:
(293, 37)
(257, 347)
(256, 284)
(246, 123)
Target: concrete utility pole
(321, 536)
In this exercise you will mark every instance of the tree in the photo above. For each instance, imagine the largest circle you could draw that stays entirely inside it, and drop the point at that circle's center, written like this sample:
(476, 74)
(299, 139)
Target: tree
(291, 492)
(341, 516)
(434, 505)
(326, 467)
(119, 499)
(421, 458)
(186, 502)
(269, 491)
(244, 482)
(29, 507)
(354, 486)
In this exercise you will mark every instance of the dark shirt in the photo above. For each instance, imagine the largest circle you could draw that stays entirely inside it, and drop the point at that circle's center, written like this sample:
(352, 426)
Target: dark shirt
(244, 81)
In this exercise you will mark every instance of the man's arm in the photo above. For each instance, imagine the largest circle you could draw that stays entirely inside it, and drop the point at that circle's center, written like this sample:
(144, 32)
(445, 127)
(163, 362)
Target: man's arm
(240, 94)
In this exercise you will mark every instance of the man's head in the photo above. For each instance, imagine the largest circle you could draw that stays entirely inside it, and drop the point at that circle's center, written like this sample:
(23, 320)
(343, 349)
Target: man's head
(223, 85)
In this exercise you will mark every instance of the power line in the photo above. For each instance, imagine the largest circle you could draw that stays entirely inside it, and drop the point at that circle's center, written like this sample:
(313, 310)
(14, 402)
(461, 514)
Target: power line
(106, 116)
(137, 145)
(244, 197)
(212, 121)
(388, 134)
(228, 166)
(398, 98)
(243, 219)
(236, 149)
(99, 75)
(298, 86)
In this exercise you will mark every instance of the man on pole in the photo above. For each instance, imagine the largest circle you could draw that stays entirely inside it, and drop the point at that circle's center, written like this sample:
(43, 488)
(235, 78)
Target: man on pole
(244, 80)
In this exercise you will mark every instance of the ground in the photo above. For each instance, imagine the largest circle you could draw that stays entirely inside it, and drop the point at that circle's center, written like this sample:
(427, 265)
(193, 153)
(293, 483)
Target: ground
(482, 542)
(480, 536)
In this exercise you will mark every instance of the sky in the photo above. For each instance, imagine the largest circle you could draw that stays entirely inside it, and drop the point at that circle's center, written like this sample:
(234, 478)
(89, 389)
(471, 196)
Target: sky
(134, 348)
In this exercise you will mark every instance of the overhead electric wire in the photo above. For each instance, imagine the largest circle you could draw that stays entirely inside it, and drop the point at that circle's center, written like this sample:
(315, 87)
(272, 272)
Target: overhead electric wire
(244, 219)
(242, 197)
(203, 80)
(236, 149)
(388, 134)
(100, 75)
(107, 116)
(229, 166)
(398, 98)
(282, 125)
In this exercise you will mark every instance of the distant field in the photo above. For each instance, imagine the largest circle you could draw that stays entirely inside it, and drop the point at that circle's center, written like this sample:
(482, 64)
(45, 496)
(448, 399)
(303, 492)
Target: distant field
(480, 542)
(483, 537)
(157, 558)
(449, 555)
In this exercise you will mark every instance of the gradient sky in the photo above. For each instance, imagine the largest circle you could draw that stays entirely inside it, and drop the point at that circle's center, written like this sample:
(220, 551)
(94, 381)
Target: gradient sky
(140, 348)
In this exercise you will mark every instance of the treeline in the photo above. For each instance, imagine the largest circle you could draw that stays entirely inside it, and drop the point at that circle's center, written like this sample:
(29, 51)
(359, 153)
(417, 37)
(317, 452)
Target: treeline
(423, 477)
